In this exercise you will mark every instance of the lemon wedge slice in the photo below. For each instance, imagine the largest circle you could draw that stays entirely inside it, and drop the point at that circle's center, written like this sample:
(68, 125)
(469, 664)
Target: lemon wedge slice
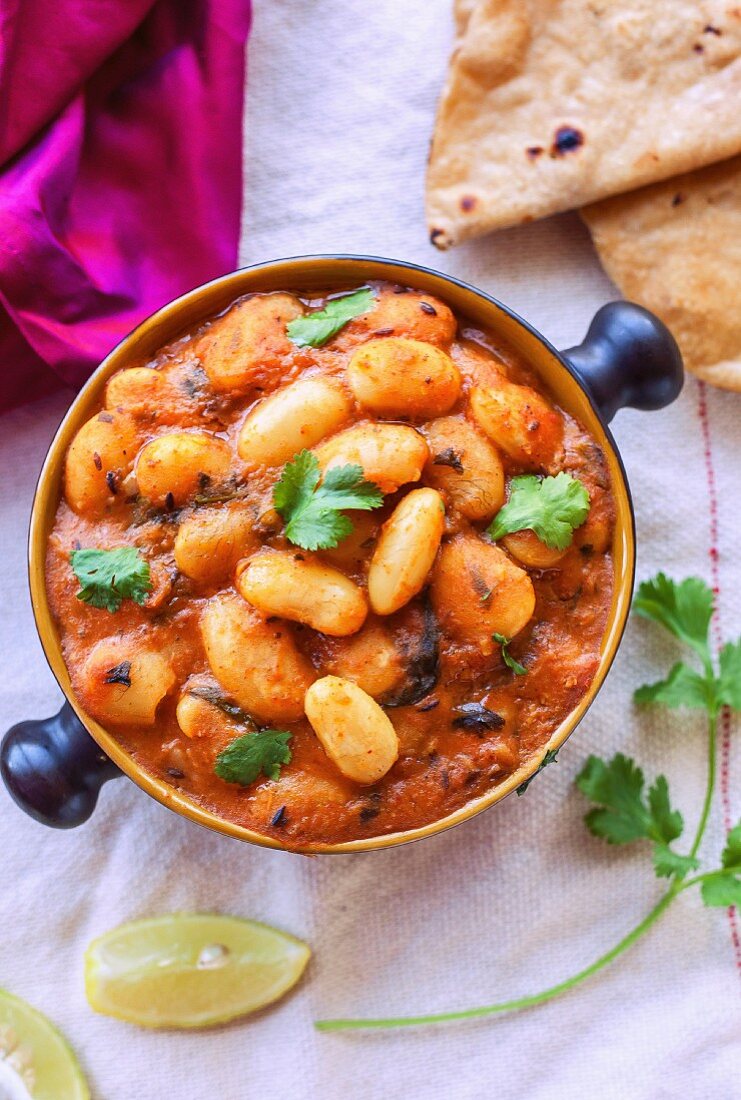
(189, 970)
(35, 1061)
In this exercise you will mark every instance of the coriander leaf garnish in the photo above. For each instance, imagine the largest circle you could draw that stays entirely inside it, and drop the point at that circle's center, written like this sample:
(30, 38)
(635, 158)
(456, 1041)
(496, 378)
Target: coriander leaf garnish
(108, 577)
(316, 329)
(246, 757)
(552, 507)
(728, 691)
(682, 688)
(723, 887)
(723, 891)
(510, 662)
(685, 609)
(312, 512)
(300, 477)
(731, 857)
(617, 787)
(623, 814)
(671, 864)
(551, 757)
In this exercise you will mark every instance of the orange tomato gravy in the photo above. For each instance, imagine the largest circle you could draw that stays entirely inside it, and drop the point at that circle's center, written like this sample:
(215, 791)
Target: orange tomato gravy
(441, 765)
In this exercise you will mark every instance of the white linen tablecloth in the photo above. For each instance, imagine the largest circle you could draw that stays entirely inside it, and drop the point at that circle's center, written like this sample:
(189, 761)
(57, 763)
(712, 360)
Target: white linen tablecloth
(339, 113)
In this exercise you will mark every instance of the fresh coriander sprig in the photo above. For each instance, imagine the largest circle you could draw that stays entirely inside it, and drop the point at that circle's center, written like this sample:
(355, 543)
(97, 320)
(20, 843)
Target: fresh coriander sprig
(510, 662)
(108, 577)
(552, 507)
(684, 609)
(313, 513)
(551, 757)
(246, 757)
(623, 813)
(316, 329)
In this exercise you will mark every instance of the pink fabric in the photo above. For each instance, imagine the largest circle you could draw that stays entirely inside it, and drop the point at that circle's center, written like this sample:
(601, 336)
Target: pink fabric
(120, 172)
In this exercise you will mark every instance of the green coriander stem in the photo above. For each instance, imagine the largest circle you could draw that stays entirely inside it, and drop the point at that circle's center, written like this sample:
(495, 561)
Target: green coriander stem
(710, 783)
(704, 877)
(519, 1002)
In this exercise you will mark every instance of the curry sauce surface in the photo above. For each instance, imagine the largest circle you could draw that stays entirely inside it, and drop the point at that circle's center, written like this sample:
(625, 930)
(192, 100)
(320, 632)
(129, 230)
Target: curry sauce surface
(442, 763)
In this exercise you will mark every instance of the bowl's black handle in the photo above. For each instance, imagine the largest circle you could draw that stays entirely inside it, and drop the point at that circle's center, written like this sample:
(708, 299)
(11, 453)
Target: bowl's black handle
(628, 357)
(54, 770)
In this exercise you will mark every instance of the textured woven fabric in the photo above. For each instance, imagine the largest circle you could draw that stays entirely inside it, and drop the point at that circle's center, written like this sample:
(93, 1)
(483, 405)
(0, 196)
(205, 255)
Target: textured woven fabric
(339, 114)
(119, 172)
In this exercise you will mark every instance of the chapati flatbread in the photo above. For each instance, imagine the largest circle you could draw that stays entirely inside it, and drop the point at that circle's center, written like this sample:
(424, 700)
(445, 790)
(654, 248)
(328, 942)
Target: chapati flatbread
(675, 247)
(553, 104)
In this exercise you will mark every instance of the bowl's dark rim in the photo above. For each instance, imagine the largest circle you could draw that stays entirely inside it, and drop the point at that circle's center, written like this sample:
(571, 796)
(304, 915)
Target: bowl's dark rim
(356, 258)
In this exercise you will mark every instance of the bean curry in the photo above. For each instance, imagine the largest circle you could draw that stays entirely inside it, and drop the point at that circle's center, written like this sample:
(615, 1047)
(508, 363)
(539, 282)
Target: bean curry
(332, 565)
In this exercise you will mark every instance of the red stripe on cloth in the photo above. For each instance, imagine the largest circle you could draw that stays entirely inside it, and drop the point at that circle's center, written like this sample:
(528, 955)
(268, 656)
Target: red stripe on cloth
(725, 723)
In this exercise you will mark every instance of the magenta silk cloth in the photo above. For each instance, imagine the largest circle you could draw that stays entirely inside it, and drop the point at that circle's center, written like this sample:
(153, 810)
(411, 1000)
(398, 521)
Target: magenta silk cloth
(120, 172)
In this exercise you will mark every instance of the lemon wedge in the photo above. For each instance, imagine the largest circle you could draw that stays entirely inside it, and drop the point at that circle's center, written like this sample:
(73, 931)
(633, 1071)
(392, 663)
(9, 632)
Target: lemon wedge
(190, 970)
(35, 1061)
